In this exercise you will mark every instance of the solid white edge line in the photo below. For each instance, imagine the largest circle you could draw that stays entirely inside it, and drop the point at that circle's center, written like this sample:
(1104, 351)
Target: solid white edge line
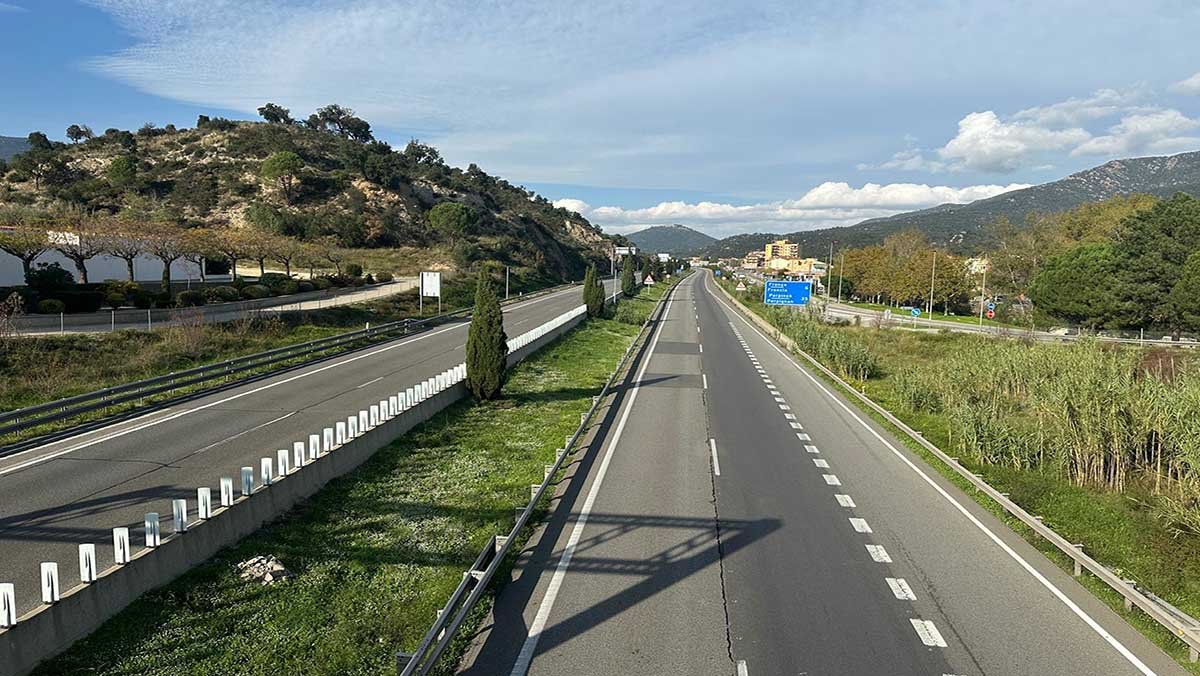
(742, 669)
(525, 658)
(1037, 575)
(716, 463)
(189, 411)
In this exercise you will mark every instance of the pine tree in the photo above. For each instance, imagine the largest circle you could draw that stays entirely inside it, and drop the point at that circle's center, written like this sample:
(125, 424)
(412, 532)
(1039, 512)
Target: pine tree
(593, 293)
(629, 285)
(487, 346)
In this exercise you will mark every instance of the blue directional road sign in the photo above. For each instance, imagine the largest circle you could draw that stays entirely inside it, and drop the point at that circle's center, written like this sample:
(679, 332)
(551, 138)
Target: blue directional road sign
(779, 292)
(916, 312)
(991, 306)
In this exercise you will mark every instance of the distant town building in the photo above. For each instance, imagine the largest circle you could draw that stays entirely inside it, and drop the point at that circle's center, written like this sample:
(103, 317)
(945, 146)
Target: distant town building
(781, 248)
(663, 257)
(753, 260)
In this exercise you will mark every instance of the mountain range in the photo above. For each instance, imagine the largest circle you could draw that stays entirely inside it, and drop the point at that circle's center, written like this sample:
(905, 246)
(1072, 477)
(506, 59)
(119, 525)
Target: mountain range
(961, 227)
(11, 145)
(676, 239)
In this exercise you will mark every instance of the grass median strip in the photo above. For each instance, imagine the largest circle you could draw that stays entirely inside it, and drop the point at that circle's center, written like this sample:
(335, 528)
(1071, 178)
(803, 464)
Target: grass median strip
(376, 553)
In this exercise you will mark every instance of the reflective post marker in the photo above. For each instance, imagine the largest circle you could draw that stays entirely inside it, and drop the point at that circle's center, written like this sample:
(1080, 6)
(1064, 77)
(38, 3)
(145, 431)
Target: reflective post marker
(150, 524)
(87, 563)
(121, 546)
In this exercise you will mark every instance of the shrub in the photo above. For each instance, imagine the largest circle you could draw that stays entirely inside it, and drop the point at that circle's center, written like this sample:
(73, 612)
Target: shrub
(593, 293)
(255, 292)
(357, 282)
(114, 299)
(272, 279)
(164, 299)
(222, 294)
(369, 279)
(142, 299)
(285, 288)
(189, 298)
(304, 286)
(384, 277)
(81, 300)
(51, 306)
(354, 270)
(322, 283)
(49, 277)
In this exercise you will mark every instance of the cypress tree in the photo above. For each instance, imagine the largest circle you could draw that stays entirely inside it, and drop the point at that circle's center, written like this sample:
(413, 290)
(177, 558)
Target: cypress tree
(593, 293)
(487, 346)
(629, 285)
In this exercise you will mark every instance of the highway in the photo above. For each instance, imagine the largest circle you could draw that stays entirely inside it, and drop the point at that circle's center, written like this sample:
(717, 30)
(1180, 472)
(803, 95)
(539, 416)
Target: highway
(74, 491)
(737, 516)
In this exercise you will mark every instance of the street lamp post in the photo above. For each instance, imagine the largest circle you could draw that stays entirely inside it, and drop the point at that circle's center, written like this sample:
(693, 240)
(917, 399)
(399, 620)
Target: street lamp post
(932, 277)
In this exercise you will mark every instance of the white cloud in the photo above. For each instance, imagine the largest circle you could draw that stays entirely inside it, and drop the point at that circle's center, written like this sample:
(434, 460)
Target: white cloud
(912, 159)
(1188, 86)
(1076, 111)
(1160, 132)
(7, 7)
(986, 143)
(827, 205)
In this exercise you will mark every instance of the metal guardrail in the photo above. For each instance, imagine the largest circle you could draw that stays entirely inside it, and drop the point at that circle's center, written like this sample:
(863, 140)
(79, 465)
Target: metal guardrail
(476, 580)
(1184, 627)
(69, 407)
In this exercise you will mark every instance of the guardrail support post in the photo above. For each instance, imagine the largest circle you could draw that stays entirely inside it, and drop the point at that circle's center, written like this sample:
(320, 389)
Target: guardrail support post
(533, 489)
(547, 471)
(1078, 567)
(51, 593)
(150, 524)
(226, 491)
(501, 540)
(121, 546)
(8, 605)
(403, 659)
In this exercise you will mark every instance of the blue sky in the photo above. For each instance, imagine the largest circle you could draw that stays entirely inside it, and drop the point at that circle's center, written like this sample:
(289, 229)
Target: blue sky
(730, 117)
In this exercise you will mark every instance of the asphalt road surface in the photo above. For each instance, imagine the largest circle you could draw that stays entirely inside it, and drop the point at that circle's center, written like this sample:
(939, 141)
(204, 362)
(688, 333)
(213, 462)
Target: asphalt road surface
(74, 491)
(739, 517)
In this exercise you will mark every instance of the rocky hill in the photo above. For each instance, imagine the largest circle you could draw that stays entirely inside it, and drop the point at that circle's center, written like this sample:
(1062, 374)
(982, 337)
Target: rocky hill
(674, 239)
(961, 226)
(328, 181)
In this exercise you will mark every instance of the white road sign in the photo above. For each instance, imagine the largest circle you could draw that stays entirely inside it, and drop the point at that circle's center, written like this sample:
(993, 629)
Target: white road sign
(431, 284)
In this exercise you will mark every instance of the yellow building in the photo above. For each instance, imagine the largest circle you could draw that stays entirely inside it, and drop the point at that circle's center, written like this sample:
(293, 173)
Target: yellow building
(781, 248)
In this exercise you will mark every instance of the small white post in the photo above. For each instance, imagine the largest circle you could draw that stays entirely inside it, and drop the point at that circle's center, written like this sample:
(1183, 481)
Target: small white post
(121, 546)
(327, 440)
(50, 588)
(203, 503)
(179, 515)
(314, 447)
(282, 457)
(340, 436)
(351, 427)
(153, 536)
(364, 418)
(394, 405)
(87, 563)
(8, 605)
(265, 470)
(408, 398)
(247, 481)
(297, 455)
(385, 410)
(373, 417)
(227, 491)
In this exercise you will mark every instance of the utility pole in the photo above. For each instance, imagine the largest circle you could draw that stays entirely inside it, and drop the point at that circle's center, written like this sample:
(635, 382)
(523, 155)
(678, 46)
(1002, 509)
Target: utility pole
(841, 272)
(505, 282)
(932, 277)
(983, 296)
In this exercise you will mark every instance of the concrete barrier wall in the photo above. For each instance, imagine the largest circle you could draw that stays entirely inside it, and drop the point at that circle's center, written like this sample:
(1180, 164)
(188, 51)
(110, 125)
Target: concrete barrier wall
(50, 629)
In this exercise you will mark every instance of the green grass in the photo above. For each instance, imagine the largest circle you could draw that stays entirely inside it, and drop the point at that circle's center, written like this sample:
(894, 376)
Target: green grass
(1122, 530)
(900, 314)
(375, 552)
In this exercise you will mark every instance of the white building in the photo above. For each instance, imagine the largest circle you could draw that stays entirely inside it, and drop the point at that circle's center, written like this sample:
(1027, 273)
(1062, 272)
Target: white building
(100, 268)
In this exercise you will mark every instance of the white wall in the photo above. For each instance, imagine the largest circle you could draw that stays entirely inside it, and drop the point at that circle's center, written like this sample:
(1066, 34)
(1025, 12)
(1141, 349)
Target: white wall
(100, 268)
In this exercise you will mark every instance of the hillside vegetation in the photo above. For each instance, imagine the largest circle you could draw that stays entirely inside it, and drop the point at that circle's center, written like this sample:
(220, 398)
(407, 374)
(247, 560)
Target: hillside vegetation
(679, 240)
(324, 181)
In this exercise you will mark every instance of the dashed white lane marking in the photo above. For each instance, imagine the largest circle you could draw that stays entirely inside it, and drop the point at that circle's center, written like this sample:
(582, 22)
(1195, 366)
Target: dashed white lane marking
(810, 448)
(743, 670)
(780, 399)
(845, 500)
(821, 462)
(1025, 565)
(716, 463)
(901, 589)
(369, 382)
(860, 525)
(803, 437)
(529, 647)
(784, 407)
(704, 377)
(701, 349)
(796, 425)
(789, 416)
(929, 634)
(878, 554)
(832, 480)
